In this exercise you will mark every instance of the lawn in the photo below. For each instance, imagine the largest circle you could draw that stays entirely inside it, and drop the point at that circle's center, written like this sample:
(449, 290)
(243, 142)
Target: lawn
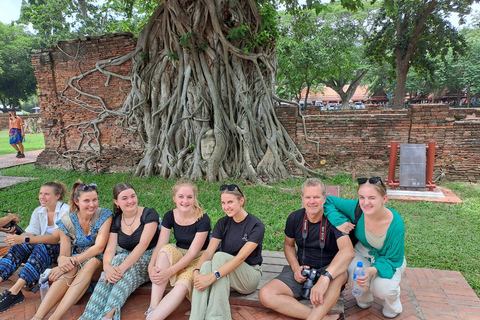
(438, 236)
(32, 142)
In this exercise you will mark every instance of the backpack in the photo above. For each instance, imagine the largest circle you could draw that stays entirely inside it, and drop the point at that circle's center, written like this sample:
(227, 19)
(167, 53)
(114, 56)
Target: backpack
(358, 214)
(68, 223)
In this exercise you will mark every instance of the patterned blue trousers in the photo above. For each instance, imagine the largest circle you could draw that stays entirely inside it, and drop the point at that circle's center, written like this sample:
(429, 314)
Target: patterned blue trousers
(108, 296)
(37, 258)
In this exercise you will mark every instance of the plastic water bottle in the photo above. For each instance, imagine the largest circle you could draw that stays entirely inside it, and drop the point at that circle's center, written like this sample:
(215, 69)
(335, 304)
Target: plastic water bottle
(44, 289)
(357, 291)
(102, 277)
(44, 284)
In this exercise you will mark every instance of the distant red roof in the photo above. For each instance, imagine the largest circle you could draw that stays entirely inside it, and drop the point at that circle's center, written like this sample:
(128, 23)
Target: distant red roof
(327, 94)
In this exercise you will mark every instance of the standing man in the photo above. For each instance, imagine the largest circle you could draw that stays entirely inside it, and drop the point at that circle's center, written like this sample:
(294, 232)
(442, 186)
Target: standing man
(320, 246)
(16, 134)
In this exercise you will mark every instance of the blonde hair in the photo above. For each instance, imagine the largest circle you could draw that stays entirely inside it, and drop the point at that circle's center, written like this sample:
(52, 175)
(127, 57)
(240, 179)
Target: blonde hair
(379, 186)
(197, 211)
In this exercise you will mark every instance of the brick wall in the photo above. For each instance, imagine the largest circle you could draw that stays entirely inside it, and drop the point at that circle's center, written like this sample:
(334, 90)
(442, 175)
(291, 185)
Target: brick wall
(359, 140)
(4, 119)
(341, 140)
(65, 112)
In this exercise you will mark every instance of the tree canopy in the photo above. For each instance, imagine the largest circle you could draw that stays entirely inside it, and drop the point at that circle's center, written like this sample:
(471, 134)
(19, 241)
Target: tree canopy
(67, 19)
(412, 33)
(17, 81)
(323, 50)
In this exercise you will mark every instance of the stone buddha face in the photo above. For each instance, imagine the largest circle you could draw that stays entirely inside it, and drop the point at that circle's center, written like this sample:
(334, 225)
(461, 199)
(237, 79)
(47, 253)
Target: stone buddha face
(207, 144)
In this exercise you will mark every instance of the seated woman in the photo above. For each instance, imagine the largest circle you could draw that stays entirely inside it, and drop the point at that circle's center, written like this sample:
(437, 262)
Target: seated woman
(191, 226)
(381, 247)
(135, 230)
(37, 247)
(82, 242)
(236, 266)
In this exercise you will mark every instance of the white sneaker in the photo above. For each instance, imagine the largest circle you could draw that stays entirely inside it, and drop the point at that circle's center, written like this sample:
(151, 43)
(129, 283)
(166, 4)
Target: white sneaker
(388, 314)
(363, 305)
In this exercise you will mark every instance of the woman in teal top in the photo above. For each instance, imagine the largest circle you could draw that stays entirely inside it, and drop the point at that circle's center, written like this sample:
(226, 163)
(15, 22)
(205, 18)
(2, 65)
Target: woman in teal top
(381, 242)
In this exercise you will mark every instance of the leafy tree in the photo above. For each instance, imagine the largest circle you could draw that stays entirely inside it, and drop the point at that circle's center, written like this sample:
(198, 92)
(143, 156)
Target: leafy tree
(207, 68)
(412, 33)
(298, 54)
(17, 81)
(68, 19)
(324, 49)
(342, 52)
(469, 65)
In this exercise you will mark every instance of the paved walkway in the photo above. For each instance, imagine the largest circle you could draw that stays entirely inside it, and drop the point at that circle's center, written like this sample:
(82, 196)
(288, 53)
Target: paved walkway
(426, 294)
(9, 160)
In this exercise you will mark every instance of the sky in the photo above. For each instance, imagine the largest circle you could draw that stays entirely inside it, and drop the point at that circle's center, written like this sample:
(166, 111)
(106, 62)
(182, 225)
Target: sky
(10, 11)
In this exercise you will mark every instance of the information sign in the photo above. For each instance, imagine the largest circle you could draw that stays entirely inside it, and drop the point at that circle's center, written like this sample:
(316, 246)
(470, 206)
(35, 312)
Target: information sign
(413, 163)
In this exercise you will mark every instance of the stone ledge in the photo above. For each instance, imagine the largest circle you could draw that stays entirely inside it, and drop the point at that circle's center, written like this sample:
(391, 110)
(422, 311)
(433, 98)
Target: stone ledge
(273, 262)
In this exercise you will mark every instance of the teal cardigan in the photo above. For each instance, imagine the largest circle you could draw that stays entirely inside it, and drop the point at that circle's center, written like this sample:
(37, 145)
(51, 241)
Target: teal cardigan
(391, 255)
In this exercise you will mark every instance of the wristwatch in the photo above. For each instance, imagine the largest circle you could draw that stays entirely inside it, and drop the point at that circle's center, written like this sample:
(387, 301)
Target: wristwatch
(27, 239)
(217, 274)
(328, 275)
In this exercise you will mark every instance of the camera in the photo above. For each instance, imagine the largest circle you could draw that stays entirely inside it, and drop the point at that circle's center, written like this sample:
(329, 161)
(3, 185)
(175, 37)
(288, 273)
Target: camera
(312, 276)
(11, 224)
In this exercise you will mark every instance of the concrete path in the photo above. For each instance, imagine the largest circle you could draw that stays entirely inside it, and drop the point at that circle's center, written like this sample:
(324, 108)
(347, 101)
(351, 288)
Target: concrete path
(9, 160)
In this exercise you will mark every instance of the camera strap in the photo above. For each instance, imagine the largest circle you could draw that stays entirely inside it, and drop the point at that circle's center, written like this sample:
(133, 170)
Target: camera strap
(321, 237)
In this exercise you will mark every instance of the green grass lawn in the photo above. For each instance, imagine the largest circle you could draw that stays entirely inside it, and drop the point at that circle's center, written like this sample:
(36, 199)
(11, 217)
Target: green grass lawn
(32, 142)
(438, 236)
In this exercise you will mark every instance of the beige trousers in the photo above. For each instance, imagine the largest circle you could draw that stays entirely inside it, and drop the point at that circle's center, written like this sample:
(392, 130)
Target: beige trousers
(212, 303)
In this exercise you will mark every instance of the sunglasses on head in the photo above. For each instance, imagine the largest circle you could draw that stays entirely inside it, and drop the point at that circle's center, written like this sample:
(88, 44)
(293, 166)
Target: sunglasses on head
(86, 186)
(230, 187)
(373, 180)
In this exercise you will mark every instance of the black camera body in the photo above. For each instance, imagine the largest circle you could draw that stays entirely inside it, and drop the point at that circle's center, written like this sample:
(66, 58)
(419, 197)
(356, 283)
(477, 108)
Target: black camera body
(312, 276)
(11, 224)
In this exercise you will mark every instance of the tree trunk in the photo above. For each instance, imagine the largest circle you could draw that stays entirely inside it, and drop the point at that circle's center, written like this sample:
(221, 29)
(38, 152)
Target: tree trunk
(202, 103)
(346, 96)
(402, 70)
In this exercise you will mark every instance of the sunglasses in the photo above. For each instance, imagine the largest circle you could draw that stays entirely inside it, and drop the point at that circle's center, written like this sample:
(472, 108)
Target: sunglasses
(85, 187)
(230, 187)
(373, 180)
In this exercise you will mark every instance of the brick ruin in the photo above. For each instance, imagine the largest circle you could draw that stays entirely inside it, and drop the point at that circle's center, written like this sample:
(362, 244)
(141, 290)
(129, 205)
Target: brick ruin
(65, 112)
(335, 141)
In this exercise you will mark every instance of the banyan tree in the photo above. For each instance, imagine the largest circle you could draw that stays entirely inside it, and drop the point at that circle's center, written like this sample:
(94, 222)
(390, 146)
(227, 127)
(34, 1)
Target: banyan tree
(203, 93)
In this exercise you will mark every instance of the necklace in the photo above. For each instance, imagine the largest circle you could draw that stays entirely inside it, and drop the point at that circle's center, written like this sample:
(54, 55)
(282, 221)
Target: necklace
(185, 221)
(134, 216)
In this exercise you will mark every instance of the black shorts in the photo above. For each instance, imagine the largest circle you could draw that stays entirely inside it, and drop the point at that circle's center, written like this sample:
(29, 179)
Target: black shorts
(286, 276)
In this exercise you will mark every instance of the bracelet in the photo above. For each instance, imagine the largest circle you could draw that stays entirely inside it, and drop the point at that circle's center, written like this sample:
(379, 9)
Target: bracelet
(196, 269)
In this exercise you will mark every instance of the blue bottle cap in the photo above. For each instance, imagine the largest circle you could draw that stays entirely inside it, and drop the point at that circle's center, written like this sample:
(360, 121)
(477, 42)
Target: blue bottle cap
(360, 264)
